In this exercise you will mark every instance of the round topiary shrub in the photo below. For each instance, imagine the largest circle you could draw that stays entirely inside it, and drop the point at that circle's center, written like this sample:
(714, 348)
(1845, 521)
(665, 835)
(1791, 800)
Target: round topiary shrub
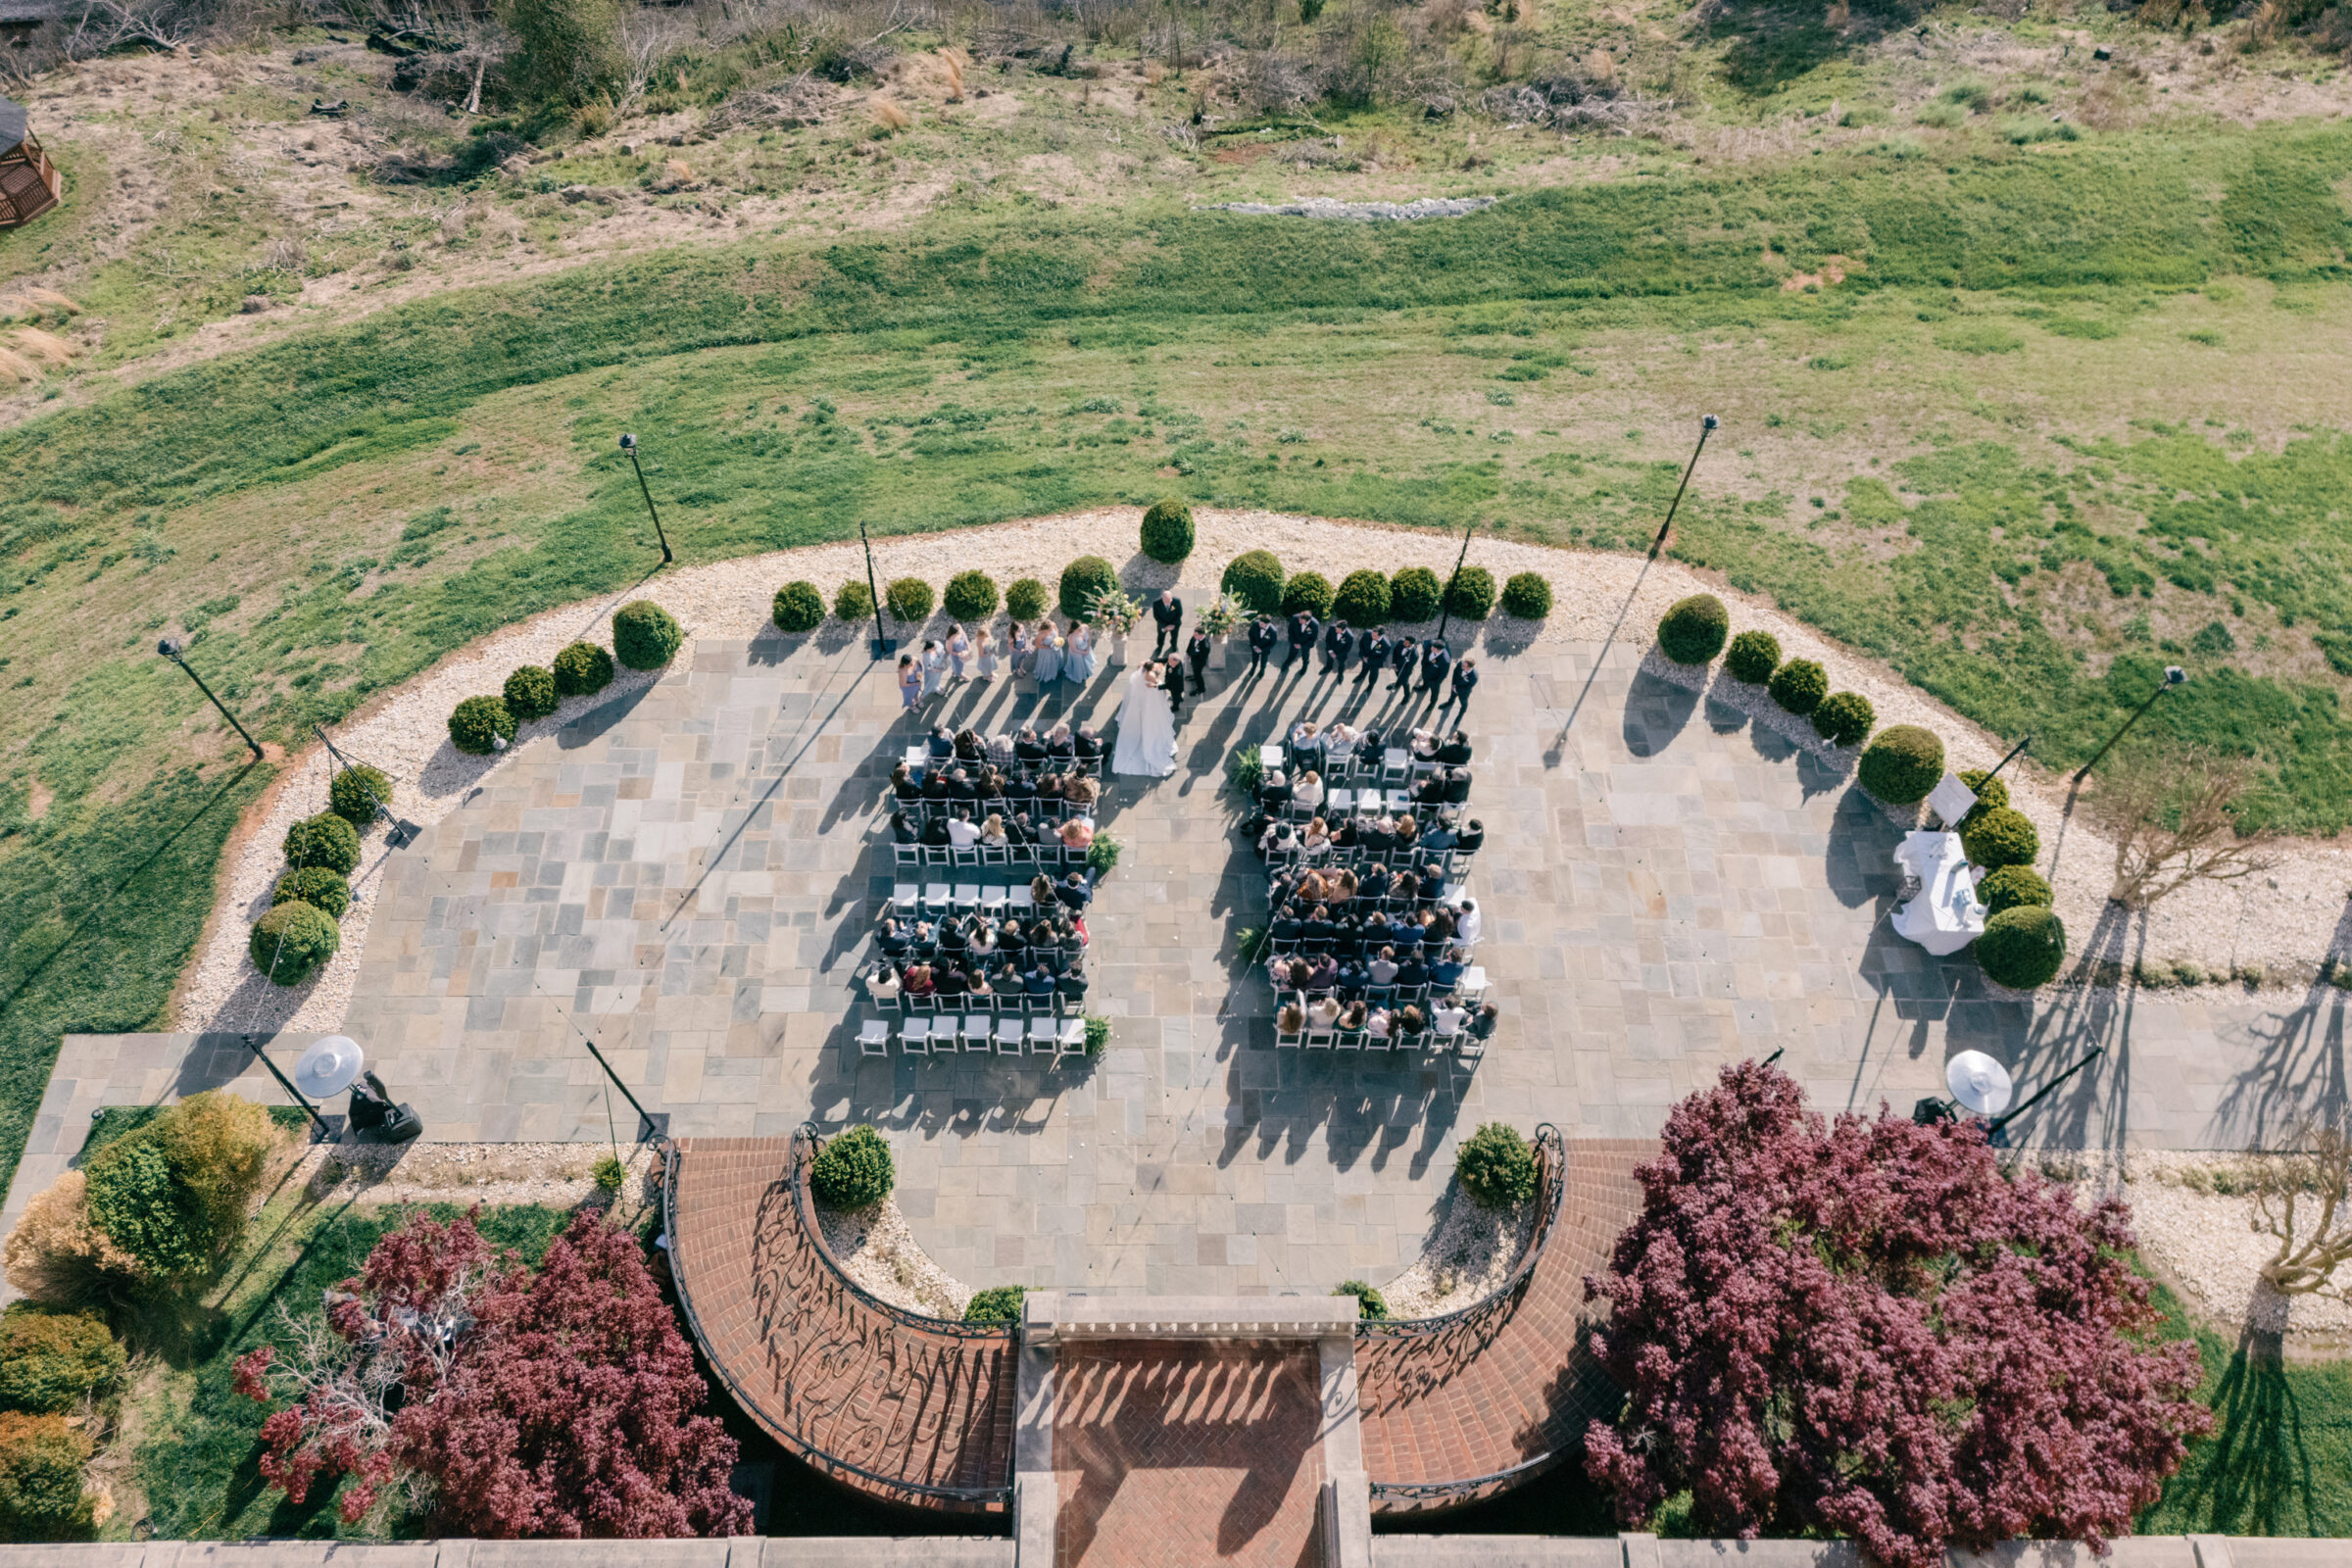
(971, 597)
(1471, 594)
(1254, 579)
(530, 693)
(2013, 887)
(1168, 531)
(853, 1170)
(582, 669)
(1309, 590)
(323, 839)
(1799, 685)
(1414, 594)
(1527, 595)
(1903, 763)
(1693, 630)
(1083, 581)
(1025, 600)
(316, 886)
(1844, 719)
(1754, 656)
(1497, 1167)
(2023, 947)
(908, 600)
(293, 940)
(51, 1361)
(40, 1478)
(2000, 837)
(1992, 794)
(644, 636)
(1369, 1302)
(478, 723)
(1362, 599)
(357, 793)
(999, 1303)
(798, 608)
(855, 602)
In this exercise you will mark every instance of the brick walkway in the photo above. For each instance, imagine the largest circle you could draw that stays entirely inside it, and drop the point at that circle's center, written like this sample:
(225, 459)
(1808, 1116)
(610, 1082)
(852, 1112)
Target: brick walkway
(1178, 1454)
(1518, 1385)
(832, 1378)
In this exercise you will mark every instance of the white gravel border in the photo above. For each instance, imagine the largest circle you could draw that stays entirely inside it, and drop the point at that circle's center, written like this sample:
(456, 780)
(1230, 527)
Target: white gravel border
(2282, 921)
(877, 1248)
(1467, 1259)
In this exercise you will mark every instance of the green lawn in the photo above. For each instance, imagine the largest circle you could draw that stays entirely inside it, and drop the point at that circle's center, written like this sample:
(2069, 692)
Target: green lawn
(1972, 459)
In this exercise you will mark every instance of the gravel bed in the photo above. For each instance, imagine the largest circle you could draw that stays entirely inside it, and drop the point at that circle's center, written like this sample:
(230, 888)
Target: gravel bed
(555, 1175)
(2197, 1233)
(1359, 211)
(1467, 1260)
(876, 1248)
(2281, 921)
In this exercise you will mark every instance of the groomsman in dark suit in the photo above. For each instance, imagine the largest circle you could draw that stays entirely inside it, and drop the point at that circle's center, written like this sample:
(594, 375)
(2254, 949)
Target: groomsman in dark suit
(1304, 629)
(1402, 658)
(1263, 635)
(1338, 643)
(1197, 651)
(1435, 659)
(1175, 672)
(1376, 656)
(1465, 681)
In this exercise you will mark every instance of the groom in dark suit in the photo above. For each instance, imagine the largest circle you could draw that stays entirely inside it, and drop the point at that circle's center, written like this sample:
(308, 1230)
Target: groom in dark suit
(1175, 674)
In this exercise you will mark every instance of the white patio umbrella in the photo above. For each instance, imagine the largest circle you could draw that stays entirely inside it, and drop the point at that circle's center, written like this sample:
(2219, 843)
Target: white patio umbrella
(1979, 1083)
(330, 1067)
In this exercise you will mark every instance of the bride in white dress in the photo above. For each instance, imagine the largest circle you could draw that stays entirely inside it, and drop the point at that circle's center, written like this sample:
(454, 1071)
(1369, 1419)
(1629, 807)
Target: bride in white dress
(1146, 727)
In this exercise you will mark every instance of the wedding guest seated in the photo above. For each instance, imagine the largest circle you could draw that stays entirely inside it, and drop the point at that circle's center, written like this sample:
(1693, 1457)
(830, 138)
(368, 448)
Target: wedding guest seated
(1449, 1018)
(935, 832)
(1285, 929)
(904, 784)
(1348, 941)
(1021, 790)
(968, 747)
(1308, 790)
(962, 832)
(1344, 834)
(1457, 785)
(1077, 833)
(1404, 936)
(960, 786)
(1041, 890)
(1274, 789)
(1291, 1019)
(1353, 978)
(953, 982)
(1082, 791)
(977, 985)
(1049, 786)
(941, 743)
(1455, 751)
(1482, 1027)
(1440, 838)
(1410, 971)
(1071, 985)
(891, 936)
(1087, 744)
(1340, 742)
(1279, 838)
(1374, 883)
(1424, 746)
(1408, 833)
(992, 832)
(1012, 940)
(1073, 890)
(1431, 791)
(1409, 1020)
(1027, 747)
(1341, 885)
(982, 943)
(1471, 838)
(953, 937)
(917, 980)
(1318, 925)
(1037, 981)
(1020, 830)
(1380, 1024)
(1307, 744)
(1377, 834)
(903, 830)
(1286, 973)
(1437, 926)
(1325, 974)
(1059, 744)
(1351, 1018)
(1433, 885)
(935, 784)
(991, 785)
(1323, 1013)
(1000, 752)
(1446, 972)
(1316, 840)
(883, 985)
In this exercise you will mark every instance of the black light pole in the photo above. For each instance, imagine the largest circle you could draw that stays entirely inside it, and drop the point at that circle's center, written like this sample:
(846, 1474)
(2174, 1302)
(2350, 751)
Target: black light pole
(883, 645)
(326, 1131)
(648, 1129)
(2174, 675)
(1707, 427)
(2005, 761)
(171, 650)
(1994, 1128)
(1447, 599)
(628, 444)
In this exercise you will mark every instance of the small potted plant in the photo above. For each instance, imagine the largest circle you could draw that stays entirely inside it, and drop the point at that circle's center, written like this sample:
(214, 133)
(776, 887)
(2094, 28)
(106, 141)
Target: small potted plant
(1116, 613)
(1220, 620)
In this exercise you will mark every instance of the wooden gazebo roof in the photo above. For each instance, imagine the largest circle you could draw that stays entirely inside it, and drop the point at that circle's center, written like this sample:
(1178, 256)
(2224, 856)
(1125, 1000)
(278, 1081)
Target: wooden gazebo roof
(30, 184)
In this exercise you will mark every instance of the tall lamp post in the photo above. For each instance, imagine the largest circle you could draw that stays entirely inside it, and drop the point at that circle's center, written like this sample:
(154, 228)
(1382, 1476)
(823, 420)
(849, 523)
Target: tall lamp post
(1707, 427)
(883, 644)
(2174, 675)
(171, 650)
(1447, 599)
(628, 444)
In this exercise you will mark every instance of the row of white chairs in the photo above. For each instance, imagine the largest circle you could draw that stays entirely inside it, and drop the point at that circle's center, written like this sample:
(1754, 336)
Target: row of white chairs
(1040, 856)
(1454, 1043)
(975, 1035)
(909, 899)
(1394, 766)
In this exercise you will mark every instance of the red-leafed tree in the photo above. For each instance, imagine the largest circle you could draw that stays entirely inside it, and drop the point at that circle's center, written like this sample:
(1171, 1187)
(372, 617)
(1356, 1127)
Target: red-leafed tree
(1863, 1327)
(558, 1404)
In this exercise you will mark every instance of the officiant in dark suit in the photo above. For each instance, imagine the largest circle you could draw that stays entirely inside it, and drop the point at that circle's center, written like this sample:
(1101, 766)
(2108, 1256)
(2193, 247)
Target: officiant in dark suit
(1167, 615)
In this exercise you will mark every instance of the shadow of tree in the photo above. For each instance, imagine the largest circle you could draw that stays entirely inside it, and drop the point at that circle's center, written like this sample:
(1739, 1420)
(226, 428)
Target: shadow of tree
(1773, 42)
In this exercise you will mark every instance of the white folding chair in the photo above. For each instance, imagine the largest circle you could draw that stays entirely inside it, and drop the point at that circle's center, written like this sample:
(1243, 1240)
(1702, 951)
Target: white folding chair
(1071, 1040)
(993, 900)
(978, 1030)
(1472, 987)
(996, 854)
(1348, 1040)
(1286, 1039)
(904, 899)
(967, 896)
(1318, 1038)
(1042, 1032)
(1010, 1033)
(1396, 765)
(874, 1037)
(914, 1037)
(968, 854)
(1337, 803)
(935, 897)
(1269, 758)
(907, 856)
(1019, 898)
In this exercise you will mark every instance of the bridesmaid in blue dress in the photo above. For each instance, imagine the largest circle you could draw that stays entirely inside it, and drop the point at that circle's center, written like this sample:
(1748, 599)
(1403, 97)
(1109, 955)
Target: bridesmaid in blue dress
(1078, 655)
(1024, 658)
(1049, 655)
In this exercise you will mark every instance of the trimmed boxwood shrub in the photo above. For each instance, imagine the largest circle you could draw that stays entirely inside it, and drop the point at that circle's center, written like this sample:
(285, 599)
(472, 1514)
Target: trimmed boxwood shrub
(1992, 794)
(1497, 1167)
(853, 601)
(1799, 685)
(908, 600)
(644, 636)
(51, 1361)
(1168, 531)
(530, 693)
(354, 792)
(1309, 590)
(1369, 1302)
(316, 886)
(1754, 656)
(1362, 599)
(1025, 600)
(2023, 947)
(999, 1303)
(1471, 594)
(584, 670)
(1414, 594)
(1527, 595)
(2000, 837)
(1083, 581)
(40, 1478)
(971, 597)
(799, 606)
(323, 839)
(1903, 763)
(1692, 629)
(853, 1170)
(292, 939)
(2014, 887)
(478, 723)
(1254, 579)
(1844, 719)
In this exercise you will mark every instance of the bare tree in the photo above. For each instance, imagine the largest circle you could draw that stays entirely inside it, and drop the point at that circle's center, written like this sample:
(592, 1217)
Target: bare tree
(2175, 821)
(2302, 1200)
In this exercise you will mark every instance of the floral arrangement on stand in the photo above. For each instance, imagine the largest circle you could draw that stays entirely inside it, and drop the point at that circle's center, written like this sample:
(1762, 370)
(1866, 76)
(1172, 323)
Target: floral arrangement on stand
(1222, 617)
(1115, 613)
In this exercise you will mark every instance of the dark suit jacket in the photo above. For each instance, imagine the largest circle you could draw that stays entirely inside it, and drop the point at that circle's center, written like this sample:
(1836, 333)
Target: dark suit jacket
(1175, 678)
(1304, 628)
(1197, 651)
(1170, 613)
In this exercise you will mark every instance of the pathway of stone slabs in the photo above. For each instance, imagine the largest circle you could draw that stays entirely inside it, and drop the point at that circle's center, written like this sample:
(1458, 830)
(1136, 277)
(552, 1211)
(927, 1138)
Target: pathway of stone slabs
(687, 878)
